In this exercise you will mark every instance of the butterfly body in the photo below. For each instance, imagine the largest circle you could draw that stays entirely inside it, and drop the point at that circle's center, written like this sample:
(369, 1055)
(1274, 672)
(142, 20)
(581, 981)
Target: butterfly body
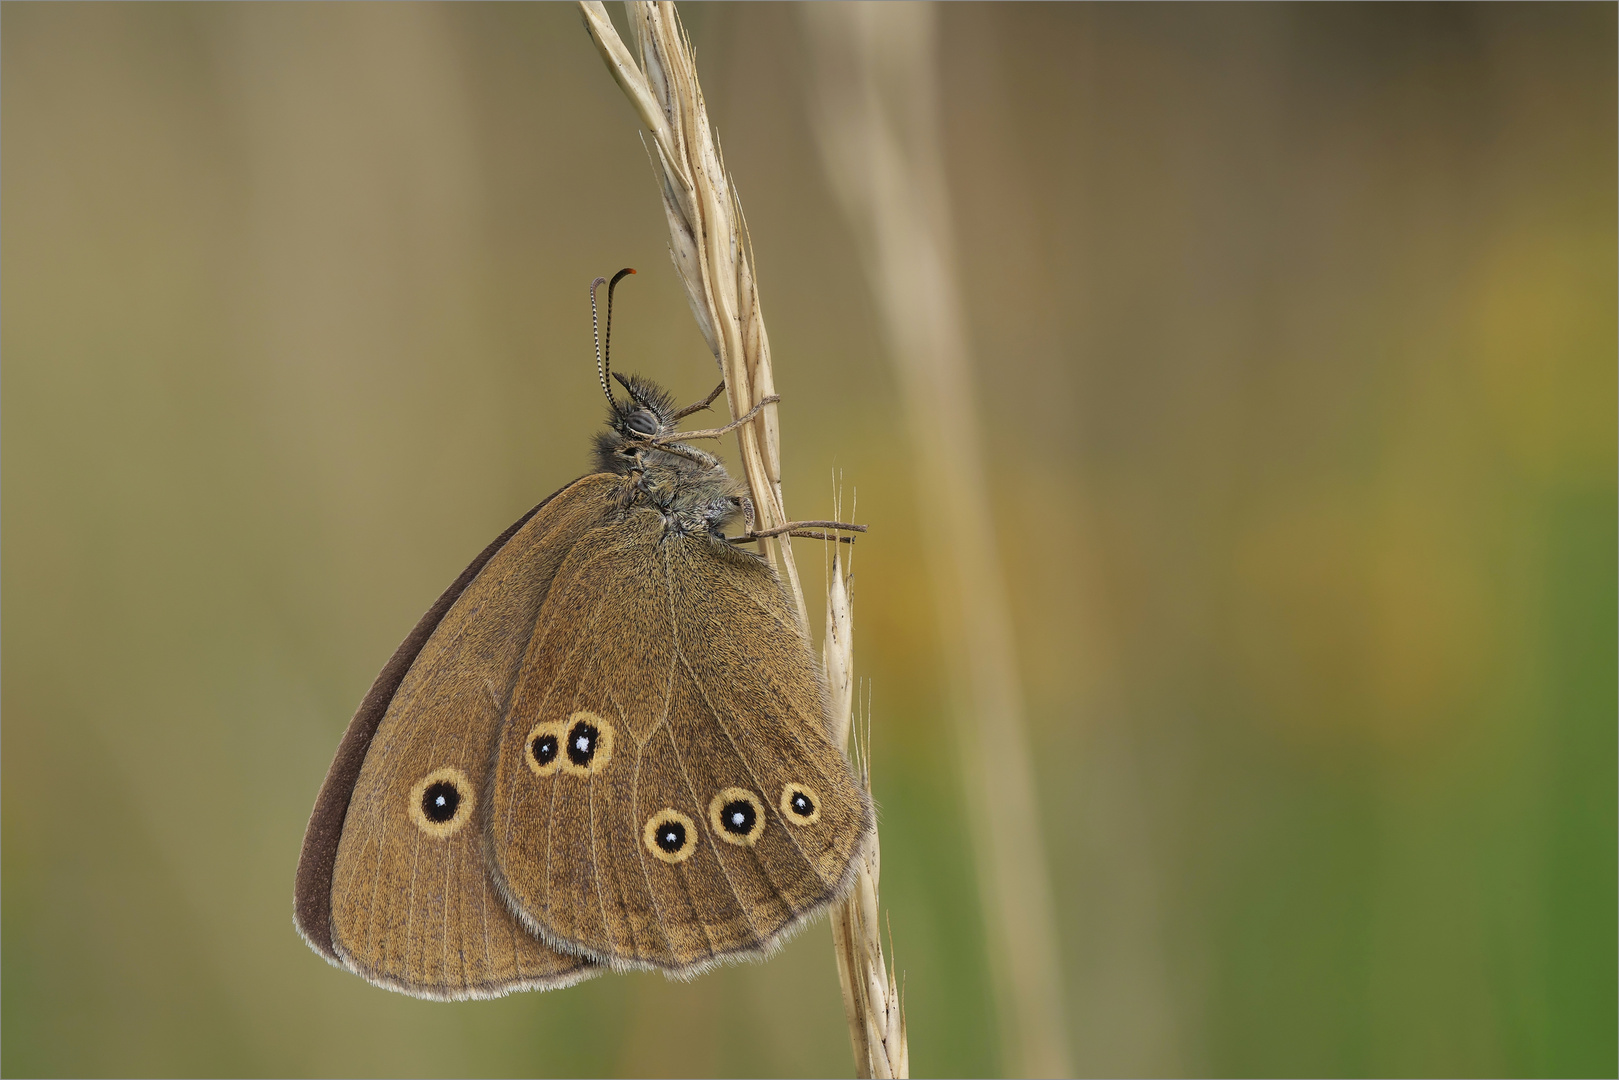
(605, 745)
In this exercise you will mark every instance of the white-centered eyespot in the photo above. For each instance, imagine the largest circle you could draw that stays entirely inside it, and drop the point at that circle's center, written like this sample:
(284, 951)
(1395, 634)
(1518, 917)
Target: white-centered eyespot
(587, 744)
(670, 835)
(737, 816)
(800, 805)
(543, 747)
(441, 802)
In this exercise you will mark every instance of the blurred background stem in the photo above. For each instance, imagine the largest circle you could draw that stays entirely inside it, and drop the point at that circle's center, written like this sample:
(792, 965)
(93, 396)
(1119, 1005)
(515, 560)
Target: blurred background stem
(875, 109)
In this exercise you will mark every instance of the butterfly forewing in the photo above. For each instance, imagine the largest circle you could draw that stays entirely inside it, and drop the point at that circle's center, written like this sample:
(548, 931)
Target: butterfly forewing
(312, 892)
(673, 672)
(413, 905)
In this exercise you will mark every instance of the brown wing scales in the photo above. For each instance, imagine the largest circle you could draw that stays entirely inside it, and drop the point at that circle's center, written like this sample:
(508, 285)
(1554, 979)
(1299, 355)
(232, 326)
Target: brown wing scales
(413, 906)
(765, 730)
(671, 848)
(558, 835)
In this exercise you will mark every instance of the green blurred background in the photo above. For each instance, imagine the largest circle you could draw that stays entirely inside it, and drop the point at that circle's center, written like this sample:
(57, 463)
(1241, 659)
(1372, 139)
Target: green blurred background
(1296, 336)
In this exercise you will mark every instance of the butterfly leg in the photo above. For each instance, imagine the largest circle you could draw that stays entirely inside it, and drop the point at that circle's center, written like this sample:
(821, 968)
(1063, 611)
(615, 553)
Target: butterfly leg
(714, 433)
(802, 528)
(702, 457)
(700, 405)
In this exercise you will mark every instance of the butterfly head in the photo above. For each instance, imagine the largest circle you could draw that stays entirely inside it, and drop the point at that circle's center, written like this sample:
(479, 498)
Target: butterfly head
(629, 443)
(649, 414)
(688, 486)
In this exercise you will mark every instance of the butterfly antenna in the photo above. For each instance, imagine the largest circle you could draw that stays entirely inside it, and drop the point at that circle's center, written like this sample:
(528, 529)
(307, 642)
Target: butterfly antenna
(595, 333)
(606, 366)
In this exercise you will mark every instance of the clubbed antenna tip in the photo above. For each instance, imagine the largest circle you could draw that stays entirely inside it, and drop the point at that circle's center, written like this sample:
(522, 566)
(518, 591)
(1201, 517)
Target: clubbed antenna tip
(604, 342)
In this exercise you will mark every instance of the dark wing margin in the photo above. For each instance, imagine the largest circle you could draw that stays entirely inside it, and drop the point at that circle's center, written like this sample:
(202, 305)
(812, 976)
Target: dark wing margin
(312, 891)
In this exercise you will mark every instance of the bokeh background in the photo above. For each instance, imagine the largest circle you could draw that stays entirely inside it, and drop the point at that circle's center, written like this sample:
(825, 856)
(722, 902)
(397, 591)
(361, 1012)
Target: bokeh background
(1295, 345)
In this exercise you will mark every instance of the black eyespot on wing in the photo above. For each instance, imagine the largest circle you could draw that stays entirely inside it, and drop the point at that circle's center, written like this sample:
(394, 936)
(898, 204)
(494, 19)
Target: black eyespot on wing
(670, 835)
(544, 745)
(440, 802)
(800, 805)
(587, 745)
(737, 816)
(583, 738)
(643, 422)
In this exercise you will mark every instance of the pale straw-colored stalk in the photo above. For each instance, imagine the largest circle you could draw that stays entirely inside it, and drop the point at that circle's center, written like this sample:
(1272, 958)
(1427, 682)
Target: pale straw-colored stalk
(875, 111)
(708, 242)
(872, 1003)
(708, 239)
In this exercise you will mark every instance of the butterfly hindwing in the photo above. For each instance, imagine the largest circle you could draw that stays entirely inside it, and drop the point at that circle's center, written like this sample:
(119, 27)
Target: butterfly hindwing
(753, 680)
(601, 654)
(684, 706)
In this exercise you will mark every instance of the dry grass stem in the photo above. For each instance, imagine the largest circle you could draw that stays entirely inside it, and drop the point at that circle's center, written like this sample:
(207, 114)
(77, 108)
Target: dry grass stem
(872, 1003)
(708, 243)
(708, 239)
(875, 99)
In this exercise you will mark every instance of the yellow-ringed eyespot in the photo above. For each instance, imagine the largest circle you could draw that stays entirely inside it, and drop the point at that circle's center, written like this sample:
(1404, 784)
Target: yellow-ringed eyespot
(800, 805)
(587, 744)
(670, 835)
(441, 802)
(737, 815)
(543, 747)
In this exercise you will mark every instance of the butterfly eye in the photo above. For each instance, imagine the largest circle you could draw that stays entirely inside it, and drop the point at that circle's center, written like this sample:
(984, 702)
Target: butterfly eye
(643, 423)
(670, 835)
(737, 816)
(800, 805)
(441, 802)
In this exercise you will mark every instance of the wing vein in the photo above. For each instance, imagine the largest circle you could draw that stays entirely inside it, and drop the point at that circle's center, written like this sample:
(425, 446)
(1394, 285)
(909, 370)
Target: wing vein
(618, 879)
(635, 811)
(712, 711)
(550, 818)
(748, 765)
(685, 774)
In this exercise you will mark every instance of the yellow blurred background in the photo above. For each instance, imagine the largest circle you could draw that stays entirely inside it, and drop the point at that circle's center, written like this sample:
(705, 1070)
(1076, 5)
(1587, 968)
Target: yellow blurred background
(1296, 335)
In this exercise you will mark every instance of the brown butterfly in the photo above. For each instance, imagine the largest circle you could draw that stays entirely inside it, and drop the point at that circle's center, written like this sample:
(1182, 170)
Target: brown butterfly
(605, 745)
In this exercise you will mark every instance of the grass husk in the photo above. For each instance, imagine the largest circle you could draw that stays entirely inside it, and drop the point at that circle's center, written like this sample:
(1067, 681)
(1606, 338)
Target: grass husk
(708, 243)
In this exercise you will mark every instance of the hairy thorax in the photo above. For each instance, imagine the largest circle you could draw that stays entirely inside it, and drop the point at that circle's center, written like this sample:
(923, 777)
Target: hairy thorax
(693, 501)
(687, 486)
